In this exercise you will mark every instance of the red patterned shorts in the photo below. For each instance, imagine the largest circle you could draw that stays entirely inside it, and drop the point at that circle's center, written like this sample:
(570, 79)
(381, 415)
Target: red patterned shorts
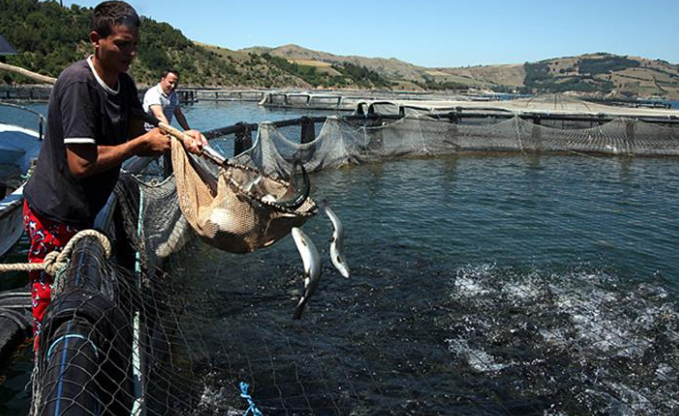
(45, 236)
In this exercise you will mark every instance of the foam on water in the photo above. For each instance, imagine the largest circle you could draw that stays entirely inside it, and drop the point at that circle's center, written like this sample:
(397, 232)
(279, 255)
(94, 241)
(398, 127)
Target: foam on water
(583, 335)
(478, 359)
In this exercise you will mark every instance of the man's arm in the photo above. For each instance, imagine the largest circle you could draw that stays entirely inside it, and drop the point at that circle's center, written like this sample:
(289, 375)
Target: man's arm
(157, 111)
(199, 139)
(195, 147)
(89, 159)
(181, 119)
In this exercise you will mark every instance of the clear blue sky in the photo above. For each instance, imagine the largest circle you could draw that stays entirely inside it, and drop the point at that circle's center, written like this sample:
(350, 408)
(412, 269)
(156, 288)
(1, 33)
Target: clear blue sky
(432, 33)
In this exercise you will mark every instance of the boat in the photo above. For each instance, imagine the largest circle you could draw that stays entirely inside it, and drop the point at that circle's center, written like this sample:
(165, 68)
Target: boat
(19, 149)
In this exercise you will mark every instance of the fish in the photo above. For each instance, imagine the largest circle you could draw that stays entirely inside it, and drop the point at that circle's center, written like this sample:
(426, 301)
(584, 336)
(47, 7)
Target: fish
(252, 183)
(312, 268)
(336, 241)
(180, 235)
(294, 196)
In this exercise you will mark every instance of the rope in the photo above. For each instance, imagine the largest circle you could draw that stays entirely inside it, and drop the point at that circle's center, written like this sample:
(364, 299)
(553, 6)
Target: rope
(244, 394)
(55, 260)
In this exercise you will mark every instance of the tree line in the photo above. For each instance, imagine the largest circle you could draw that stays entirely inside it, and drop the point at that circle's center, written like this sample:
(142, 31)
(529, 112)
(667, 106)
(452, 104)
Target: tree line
(50, 37)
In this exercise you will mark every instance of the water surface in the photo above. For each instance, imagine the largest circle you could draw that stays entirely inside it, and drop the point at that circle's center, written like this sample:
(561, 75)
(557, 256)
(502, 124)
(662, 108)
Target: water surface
(506, 285)
(502, 285)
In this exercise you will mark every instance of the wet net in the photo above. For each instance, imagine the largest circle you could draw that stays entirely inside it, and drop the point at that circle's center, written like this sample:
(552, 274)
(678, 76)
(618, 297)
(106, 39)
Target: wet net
(232, 212)
(419, 133)
(130, 335)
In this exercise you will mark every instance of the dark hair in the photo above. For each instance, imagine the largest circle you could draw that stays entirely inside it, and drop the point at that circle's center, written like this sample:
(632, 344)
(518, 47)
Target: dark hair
(111, 13)
(171, 71)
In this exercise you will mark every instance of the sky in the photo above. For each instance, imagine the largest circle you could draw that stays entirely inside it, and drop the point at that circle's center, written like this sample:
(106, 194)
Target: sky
(431, 33)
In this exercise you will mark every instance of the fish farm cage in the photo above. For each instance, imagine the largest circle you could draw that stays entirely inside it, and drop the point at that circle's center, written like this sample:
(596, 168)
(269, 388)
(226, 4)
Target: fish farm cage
(125, 336)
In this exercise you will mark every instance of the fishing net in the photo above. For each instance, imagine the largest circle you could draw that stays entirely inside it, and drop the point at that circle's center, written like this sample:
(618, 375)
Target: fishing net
(423, 133)
(229, 214)
(131, 335)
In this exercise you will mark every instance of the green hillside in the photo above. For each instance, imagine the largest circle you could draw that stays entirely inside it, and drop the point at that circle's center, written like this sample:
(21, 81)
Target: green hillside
(599, 74)
(343, 75)
(50, 37)
(603, 74)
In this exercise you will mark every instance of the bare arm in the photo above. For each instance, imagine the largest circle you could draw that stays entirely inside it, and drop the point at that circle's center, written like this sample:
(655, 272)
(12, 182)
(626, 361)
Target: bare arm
(157, 111)
(181, 119)
(199, 140)
(88, 159)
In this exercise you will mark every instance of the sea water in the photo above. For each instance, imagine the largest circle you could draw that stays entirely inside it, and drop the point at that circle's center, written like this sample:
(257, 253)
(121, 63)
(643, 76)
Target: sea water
(503, 285)
(480, 285)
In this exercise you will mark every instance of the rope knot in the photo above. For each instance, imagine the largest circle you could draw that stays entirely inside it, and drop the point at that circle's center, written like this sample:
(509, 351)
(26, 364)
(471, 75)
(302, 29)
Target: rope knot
(55, 260)
(52, 264)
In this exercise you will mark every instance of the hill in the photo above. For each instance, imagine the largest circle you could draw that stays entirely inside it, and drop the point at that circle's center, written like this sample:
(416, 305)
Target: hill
(306, 73)
(389, 68)
(599, 74)
(50, 37)
(602, 73)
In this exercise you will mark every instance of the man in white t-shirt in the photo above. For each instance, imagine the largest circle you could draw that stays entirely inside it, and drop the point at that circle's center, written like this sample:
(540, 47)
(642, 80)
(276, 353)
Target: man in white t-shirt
(162, 101)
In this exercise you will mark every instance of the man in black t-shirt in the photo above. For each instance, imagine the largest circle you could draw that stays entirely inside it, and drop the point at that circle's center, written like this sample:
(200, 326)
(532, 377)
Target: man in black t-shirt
(90, 132)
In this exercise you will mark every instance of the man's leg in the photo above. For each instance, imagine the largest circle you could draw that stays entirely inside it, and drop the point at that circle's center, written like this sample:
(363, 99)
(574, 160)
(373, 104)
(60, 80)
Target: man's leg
(45, 236)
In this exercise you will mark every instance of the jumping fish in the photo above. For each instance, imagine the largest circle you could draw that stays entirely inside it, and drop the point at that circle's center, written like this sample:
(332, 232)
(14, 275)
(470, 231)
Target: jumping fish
(312, 268)
(337, 241)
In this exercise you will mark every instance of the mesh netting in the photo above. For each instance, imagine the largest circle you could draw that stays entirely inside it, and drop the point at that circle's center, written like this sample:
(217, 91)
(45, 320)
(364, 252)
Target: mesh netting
(231, 212)
(425, 134)
(131, 336)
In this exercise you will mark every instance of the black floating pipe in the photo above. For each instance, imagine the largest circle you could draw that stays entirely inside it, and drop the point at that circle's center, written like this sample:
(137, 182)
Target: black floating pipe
(238, 127)
(15, 320)
(68, 385)
(454, 116)
(84, 357)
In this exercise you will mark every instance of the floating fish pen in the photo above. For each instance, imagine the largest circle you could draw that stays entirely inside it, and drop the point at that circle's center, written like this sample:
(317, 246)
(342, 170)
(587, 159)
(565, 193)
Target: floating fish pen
(25, 92)
(310, 101)
(340, 100)
(126, 335)
(218, 94)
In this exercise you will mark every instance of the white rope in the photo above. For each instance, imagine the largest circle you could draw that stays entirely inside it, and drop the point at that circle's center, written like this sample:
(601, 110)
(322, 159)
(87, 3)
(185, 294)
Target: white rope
(56, 260)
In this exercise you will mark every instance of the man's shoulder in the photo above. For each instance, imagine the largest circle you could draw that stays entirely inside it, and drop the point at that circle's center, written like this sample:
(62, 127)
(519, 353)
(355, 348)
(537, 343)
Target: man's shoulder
(152, 91)
(76, 72)
(127, 83)
(75, 79)
(153, 96)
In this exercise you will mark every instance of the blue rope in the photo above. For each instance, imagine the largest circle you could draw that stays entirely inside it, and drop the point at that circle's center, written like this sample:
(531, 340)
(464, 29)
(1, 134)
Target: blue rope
(244, 394)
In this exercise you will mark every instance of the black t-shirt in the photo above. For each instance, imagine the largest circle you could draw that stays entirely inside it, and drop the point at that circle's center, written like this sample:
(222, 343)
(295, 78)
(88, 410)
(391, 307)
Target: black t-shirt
(82, 109)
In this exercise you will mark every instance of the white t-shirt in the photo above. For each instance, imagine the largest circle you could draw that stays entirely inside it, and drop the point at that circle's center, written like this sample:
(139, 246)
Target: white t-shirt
(156, 96)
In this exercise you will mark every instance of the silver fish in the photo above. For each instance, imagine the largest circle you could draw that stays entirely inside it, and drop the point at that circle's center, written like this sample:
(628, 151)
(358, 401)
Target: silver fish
(337, 241)
(252, 183)
(312, 268)
(295, 196)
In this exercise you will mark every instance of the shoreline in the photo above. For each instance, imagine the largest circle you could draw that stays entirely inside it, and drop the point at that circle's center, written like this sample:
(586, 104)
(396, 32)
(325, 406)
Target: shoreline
(188, 94)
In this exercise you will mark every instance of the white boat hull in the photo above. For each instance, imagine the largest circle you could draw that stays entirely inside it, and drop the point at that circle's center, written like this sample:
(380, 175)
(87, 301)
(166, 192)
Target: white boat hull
(11, 220)
(18, 148)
